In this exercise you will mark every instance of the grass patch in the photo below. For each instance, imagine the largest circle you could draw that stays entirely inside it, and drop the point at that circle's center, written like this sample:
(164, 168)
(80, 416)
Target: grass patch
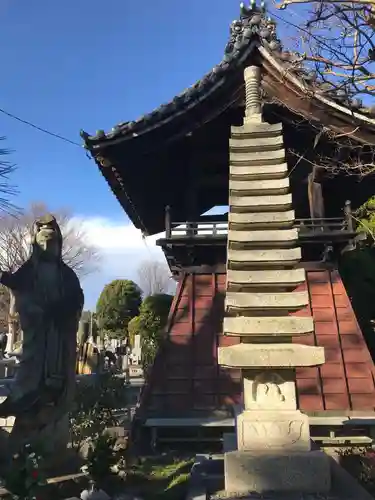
(164, 477)
(152, 478)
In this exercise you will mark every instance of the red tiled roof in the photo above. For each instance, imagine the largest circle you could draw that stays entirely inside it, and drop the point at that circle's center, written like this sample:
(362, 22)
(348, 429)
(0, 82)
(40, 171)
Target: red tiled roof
(345, 381)
(186, 378)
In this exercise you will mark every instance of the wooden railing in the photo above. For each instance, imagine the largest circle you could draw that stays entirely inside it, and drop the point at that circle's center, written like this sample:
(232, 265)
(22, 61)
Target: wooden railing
(219, 228)
(321, 225)
(199, 229)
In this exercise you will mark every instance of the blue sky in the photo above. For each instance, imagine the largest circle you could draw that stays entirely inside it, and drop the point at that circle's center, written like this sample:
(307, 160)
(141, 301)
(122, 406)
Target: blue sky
(91, 64)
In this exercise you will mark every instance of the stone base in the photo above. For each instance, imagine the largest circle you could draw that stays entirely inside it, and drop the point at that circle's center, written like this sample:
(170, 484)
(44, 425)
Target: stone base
(302, 472)
(54, 439)
(272, 431)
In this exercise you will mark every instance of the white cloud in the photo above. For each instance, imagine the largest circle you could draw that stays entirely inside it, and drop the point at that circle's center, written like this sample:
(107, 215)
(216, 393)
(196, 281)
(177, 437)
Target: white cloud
(122, 250)
(112, 236)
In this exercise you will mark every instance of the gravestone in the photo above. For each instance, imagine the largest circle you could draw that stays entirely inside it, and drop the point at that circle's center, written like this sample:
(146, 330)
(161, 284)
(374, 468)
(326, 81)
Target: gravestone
(137, 350)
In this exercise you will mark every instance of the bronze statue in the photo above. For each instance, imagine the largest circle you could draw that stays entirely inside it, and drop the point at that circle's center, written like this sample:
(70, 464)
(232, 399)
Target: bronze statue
(49, 301)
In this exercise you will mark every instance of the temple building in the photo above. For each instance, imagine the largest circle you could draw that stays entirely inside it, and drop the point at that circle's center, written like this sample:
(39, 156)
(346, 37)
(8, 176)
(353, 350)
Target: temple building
(272, 258)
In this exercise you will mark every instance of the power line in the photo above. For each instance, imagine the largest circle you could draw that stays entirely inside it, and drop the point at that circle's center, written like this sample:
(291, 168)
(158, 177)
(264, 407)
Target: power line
(45, 131)
(65, 139)
(69, 141)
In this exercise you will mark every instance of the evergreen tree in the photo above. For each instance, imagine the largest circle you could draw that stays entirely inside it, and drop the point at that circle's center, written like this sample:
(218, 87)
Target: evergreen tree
(118, 303)
(150, 324)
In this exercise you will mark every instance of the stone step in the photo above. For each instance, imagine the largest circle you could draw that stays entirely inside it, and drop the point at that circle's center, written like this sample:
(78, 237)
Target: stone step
(258, 157)
(237, 302)
(266, 278)
(266, 187)
(279, 237)
(262, 129)
(259, 172)
(247, 326)
(257, 220)
(245, 143)
(270, 355)
(260, 203)
(282, 257)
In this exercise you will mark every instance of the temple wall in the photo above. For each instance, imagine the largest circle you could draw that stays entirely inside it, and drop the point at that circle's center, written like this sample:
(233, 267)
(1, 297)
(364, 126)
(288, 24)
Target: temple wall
(187, 380)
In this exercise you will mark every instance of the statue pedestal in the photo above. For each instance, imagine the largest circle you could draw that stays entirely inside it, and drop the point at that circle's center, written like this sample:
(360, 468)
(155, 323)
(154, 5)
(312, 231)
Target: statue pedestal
(56, 437)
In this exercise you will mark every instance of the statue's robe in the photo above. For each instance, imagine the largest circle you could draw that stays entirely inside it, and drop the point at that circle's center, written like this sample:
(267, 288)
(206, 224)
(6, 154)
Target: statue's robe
(49, 301)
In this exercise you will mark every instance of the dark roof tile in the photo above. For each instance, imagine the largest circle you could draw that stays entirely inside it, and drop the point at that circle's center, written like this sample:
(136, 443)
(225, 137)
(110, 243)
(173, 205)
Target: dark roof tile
(253, 24)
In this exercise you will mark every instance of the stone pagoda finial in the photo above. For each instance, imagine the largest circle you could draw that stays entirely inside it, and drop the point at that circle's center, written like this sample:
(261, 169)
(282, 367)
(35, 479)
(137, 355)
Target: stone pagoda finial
(253, 111)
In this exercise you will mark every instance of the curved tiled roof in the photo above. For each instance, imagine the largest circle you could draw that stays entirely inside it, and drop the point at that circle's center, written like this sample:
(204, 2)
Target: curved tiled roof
(253, 28)
(151, 147)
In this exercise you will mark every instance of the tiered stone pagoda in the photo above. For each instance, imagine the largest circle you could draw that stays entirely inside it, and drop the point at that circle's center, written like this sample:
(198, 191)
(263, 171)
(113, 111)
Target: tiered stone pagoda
(263, 252)
(262, 338)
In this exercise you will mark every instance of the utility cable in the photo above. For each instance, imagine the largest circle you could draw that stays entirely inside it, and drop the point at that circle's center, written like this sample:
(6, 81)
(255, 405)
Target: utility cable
(69, 141)
(45, 131)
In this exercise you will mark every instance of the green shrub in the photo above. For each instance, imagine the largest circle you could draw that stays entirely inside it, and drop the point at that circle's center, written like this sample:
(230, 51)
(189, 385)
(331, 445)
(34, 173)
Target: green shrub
(25, 476)
(101, 458)
(94, 407)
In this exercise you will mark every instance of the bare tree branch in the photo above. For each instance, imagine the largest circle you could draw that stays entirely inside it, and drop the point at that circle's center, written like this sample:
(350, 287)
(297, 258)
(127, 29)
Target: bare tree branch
(285, 3)
(7, 190)
(154, 277)
(334, 52)
(336, 42)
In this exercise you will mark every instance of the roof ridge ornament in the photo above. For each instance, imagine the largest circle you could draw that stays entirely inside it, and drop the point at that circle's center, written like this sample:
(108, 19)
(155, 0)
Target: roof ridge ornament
(248, 11)
(253, 21)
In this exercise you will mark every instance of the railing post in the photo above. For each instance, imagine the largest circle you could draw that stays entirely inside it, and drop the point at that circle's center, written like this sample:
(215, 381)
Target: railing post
(348, 216)
(168, 226)
(191, 229)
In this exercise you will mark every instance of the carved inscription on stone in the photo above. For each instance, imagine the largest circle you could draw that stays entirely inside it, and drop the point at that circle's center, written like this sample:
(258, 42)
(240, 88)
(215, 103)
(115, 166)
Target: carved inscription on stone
(277, 433)
(280, 434)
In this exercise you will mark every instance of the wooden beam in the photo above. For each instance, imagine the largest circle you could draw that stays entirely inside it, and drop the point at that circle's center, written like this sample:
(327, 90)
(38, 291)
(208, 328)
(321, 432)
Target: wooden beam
(193, 241)
(203, 269)
(315, 195)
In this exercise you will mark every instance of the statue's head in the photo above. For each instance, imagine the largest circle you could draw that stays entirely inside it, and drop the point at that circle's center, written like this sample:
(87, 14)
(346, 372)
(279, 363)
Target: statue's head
(47, 238)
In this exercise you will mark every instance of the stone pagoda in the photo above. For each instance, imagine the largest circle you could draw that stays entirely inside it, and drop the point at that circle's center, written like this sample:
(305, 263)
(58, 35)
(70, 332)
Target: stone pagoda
(273, 439)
